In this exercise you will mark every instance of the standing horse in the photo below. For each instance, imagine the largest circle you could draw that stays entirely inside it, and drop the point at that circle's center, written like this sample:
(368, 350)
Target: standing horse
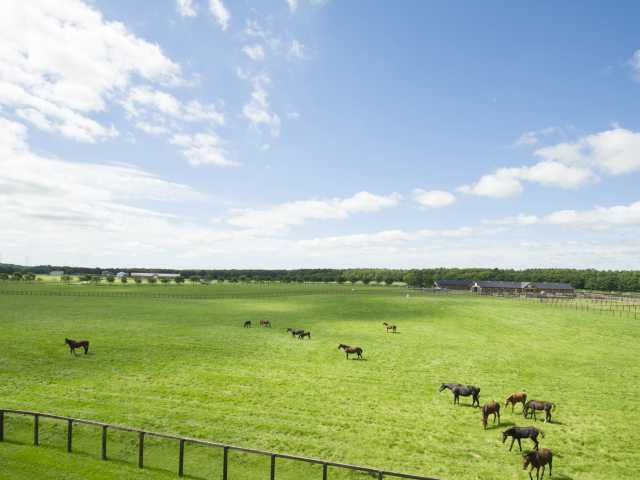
(449, 386)
(492, 408)
(516, 397)
(534, 405)
(265, 323)
(517, 433)
(303, 334)
(537, 459)
(466, 391)
(73, 345)
(295, 331)
(247, 324)
(389, 327)
(348, 349)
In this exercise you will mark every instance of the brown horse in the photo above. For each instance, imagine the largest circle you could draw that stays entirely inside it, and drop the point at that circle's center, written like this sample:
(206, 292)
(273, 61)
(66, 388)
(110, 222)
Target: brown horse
(73, 345)
(516, 397)
(348, 349)
(534, 405)
(247, 324)
(303, 334)
(492, 408)
(265, 323)
(538, 459)
(390, 327)
(518, 433)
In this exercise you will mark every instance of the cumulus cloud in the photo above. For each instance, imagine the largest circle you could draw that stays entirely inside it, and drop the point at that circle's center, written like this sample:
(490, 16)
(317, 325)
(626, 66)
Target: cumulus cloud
(57, 88)
(258, 111)
(186, 8)
(220, 13)
(533, 137)
(283, 216)
(433, 198)
(254, 52)
(203, 149)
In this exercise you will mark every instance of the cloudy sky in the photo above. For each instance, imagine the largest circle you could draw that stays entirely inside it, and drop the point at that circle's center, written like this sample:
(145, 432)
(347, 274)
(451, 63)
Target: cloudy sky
(319, 133)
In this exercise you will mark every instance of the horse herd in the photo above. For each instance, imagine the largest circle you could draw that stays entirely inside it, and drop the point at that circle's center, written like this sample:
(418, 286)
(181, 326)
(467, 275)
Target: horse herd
(539, 458)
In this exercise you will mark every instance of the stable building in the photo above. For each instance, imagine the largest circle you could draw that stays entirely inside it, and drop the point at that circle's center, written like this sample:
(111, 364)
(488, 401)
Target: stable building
(497, 287)
(454, 284)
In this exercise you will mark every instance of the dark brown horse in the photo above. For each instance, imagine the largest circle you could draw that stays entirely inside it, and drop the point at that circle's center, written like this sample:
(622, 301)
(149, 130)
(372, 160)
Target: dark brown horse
(247, 324)
(348, 349)
(265, 323)
(466, 391)
(73, 345)
(449, 386)
(295, 331)
(518, 433)
(492, 408)
(516, 397)
(390, 327)
(534, 405)
(303, 334)
(537, 460)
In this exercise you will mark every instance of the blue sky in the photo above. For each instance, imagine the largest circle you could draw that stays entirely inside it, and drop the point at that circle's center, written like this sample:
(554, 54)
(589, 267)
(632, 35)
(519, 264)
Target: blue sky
(309, 133)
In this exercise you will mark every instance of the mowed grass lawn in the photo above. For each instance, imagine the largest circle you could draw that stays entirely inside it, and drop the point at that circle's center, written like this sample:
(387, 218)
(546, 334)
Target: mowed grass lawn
(187, 366)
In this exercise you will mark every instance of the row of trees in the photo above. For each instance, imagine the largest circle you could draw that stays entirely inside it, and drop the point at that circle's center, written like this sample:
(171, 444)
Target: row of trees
(611, 280)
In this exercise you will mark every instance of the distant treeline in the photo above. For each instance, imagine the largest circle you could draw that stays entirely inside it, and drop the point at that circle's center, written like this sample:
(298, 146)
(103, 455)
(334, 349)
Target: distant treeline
(610, 280)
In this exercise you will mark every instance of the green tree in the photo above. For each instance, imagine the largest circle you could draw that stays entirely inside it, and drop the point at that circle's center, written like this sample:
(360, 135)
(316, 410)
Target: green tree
(123, 280)
(111, 278)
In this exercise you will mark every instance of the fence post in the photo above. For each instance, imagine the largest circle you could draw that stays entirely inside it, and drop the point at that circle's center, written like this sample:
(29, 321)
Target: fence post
(141, 450)
(36, 425)
(1, 425)
(69, 435)
(273, 467)
(181, 459)
(225, 460)
(104, 442)
(380, 474)
(325, 472)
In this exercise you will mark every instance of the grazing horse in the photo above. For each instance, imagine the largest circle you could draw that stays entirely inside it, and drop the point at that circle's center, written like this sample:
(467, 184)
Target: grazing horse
(73, 345)
(303, 334)
(389, 327)
(516, 397)
(536, 460)
(492, 408)
(348, 349)
(534, 405)
(247, 324)
(466, 391)
(517, 433)
(295, 331)
(265, 323)
(449, 386)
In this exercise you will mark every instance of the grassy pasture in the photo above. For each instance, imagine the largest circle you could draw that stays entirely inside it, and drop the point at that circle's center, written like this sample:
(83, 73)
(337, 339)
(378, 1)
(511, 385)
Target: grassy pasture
(186, 366)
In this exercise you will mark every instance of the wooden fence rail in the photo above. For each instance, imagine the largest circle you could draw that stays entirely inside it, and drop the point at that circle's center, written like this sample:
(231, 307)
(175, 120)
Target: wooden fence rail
(183, 441)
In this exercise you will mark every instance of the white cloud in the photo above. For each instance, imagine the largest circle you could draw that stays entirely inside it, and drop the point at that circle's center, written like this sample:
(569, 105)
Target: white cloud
(203, 149)
(220, 12)
(56, 87)
(285, 215)
(254, 52)
(297, 49)
(499, 185)
(293, 5)
(433, 198)
(533, 137)
(635, 64)
(186, 8)
(257, 111)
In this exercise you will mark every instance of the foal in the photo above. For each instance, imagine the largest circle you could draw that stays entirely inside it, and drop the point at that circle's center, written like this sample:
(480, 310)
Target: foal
(348, 349)
(73, 345)
(536, 460)
(492, 408)
(265, 323)
(390, 327)
(516, 397)
(517, 433)
(466, 391)
(534, 405)
(247, 324)
(303, 334)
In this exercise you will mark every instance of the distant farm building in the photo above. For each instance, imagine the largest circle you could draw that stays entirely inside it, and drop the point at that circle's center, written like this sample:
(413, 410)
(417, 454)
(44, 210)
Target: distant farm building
(157, 276)
(500, 287)
(121, 274)
(56, 273)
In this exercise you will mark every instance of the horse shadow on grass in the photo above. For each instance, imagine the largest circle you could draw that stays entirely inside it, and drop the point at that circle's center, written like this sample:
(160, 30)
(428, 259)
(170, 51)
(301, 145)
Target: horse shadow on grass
(500, 426)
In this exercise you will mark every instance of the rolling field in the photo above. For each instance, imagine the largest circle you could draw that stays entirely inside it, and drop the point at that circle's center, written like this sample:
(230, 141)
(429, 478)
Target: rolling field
(165, 362)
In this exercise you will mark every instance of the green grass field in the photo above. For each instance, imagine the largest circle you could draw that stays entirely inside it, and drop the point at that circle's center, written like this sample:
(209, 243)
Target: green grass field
(186, 366)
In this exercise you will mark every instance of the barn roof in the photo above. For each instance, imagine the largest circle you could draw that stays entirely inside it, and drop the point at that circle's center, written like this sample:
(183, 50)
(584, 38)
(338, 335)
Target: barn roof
(501, 284)
(553, 285)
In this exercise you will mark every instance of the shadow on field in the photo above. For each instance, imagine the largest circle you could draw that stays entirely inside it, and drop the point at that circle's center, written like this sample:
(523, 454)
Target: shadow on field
(501, 426)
